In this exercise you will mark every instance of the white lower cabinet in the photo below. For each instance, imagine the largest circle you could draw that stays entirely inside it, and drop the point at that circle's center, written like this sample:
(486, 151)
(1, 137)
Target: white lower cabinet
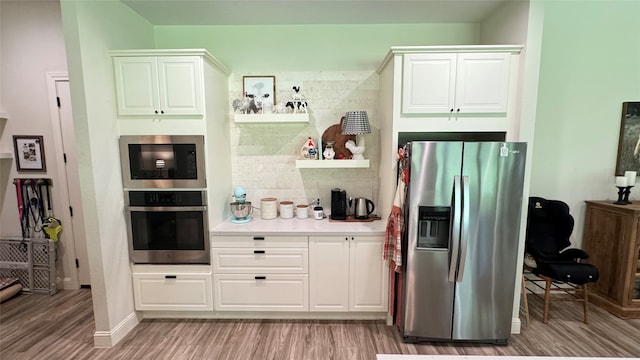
(347, 273)
(260, 273)
(329, 273)
(268, 292)
(172, 287)
(250, 260)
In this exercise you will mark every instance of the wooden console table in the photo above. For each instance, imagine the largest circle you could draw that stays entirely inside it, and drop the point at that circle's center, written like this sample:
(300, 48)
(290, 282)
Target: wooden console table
(612, 239)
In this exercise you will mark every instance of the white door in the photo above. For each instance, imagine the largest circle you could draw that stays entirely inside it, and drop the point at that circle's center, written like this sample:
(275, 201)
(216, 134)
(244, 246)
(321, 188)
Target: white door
(329, 273)
(428, 83)
(180, 85)
(71, 212)
(137, 85)
(482, 82)
(368, 274)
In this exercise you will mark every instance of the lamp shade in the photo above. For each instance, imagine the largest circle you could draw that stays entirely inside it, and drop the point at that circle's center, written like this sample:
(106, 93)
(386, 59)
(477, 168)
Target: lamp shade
(356, 123)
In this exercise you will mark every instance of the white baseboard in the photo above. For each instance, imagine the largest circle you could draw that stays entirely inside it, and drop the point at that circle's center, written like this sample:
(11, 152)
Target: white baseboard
(106, 339)
(516, 325)
(67, 284)
(263, 315)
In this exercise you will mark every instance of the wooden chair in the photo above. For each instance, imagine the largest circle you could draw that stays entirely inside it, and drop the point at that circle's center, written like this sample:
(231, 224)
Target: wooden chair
(561, 269)
(547, 289)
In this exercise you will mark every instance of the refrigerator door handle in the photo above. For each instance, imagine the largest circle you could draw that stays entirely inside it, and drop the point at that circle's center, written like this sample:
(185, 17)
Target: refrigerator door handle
(464, 232)
(454, 239)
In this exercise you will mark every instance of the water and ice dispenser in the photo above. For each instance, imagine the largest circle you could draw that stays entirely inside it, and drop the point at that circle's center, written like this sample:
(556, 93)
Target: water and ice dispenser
(433, 226)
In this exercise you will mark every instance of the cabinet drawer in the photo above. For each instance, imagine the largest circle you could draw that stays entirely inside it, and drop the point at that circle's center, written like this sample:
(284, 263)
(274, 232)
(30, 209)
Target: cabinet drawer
(259, 241)
(271, 292)
(268, 261)
(173, 291)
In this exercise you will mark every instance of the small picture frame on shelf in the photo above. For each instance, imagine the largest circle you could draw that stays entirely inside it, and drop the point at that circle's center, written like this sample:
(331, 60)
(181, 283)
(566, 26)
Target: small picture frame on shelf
(29, 152)
(261, 87)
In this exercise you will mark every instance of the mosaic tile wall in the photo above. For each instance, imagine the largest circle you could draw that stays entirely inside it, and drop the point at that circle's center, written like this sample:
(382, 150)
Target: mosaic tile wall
(264, 155)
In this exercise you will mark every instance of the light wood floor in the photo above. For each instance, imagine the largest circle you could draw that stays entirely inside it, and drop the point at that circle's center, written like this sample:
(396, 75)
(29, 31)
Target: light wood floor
(61, 327)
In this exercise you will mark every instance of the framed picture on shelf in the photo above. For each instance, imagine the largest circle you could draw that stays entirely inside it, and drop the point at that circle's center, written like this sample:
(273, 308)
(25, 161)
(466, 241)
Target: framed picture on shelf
(629, 141)
(29, 152)
(261, 87)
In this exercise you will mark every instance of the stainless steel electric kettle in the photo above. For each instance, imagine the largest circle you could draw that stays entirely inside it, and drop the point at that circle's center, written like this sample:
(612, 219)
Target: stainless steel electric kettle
(363, 208)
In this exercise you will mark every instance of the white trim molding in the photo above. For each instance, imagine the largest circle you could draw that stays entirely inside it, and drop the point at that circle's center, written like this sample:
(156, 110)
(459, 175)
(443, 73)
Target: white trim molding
(107, 339)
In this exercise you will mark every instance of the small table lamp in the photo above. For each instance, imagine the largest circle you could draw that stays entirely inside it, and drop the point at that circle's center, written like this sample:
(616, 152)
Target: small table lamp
(356, 123)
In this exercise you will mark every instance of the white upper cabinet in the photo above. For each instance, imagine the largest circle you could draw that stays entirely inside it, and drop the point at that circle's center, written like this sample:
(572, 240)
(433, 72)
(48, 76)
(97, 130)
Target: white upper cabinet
(455, 83)
(159, 85)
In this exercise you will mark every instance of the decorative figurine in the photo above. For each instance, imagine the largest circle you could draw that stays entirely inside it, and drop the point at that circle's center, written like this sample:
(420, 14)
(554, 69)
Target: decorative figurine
(329, 153)
(298, 101)
(309, 150)
(356, 150)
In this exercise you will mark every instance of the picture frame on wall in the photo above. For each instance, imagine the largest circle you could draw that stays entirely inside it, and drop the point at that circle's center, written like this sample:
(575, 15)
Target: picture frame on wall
(259, 86)
(628, 158)
(29, 153)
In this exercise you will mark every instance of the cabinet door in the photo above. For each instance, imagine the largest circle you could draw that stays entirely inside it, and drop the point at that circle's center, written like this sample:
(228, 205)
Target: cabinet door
(368, 275)
(482, 83)
(604, 241)
(266, 261)
(329, 273)
(428, 83)
(173, 291)
(180, 81)
(136, 85)
(267, 292)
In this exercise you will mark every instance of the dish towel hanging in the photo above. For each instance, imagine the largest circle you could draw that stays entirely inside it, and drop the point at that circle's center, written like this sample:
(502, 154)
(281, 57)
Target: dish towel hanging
(393, 240)
(395, 222)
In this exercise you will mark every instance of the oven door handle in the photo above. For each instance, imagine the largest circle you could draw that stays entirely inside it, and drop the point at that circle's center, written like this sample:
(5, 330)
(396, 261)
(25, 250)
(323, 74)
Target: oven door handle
(166, 208)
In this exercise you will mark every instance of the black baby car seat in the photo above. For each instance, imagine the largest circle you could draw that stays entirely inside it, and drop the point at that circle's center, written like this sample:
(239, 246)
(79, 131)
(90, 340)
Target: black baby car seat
(549, 227)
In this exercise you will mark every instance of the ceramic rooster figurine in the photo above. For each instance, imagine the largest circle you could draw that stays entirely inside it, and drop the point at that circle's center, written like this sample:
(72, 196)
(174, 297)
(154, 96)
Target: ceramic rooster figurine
(356, 150)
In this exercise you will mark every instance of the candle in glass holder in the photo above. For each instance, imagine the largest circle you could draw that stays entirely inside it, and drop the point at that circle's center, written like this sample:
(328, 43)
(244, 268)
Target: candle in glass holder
(621, 181)
(631, 177)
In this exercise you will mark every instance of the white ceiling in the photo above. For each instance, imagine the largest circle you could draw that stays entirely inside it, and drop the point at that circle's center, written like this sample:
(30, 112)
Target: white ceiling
(290, 12)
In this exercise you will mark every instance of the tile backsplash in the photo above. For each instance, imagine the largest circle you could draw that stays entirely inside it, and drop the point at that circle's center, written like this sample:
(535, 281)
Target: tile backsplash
(264, 155)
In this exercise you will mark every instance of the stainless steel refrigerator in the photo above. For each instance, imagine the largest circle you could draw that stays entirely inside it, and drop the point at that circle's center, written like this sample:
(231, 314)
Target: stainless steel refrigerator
(462, 216)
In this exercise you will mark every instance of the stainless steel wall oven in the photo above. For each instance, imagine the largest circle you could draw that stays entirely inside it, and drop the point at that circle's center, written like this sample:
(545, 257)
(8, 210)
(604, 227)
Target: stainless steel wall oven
(168, 227)
(162, 161)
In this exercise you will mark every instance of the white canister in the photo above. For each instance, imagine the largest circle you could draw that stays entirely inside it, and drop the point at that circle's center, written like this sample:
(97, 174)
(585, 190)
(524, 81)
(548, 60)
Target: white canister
(302, 211)
(268, 208)
(286, 209)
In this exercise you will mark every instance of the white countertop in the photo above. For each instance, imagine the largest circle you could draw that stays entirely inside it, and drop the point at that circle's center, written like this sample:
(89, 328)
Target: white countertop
(297, 226)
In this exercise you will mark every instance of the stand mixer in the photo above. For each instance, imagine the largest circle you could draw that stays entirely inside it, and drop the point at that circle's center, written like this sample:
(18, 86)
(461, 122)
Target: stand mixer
(240, 209)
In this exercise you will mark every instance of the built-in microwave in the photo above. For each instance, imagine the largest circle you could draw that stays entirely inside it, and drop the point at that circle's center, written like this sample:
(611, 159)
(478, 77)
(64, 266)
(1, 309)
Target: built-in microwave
(162, 161)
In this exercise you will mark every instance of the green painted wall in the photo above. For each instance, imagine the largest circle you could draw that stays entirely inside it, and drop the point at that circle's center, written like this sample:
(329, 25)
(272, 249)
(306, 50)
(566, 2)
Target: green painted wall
(309, 47)
(589, 65)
